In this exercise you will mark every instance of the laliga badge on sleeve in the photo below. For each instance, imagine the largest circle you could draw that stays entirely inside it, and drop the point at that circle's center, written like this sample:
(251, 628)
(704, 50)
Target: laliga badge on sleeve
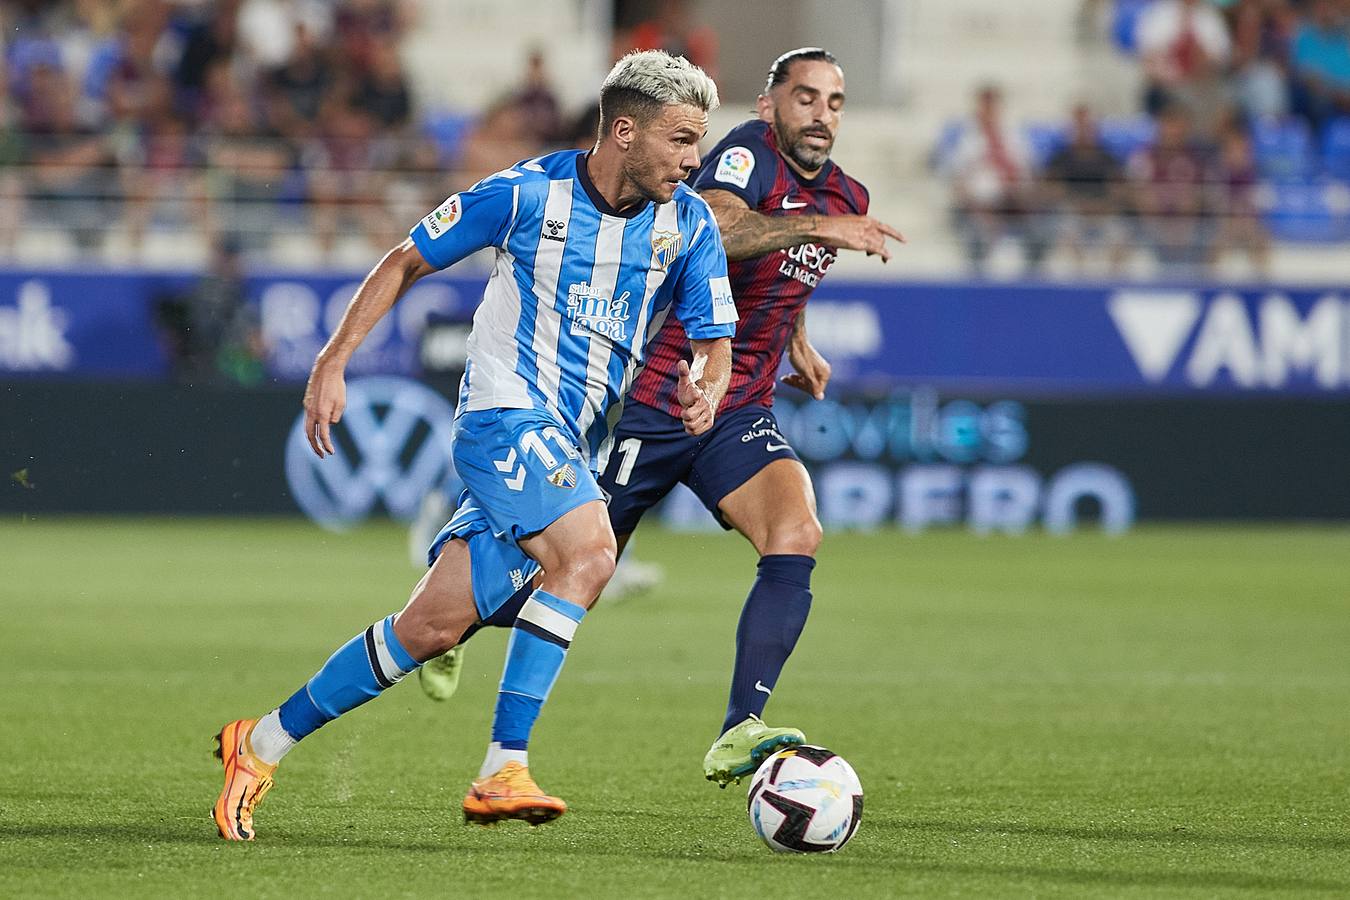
(444, 217)
(735, 166)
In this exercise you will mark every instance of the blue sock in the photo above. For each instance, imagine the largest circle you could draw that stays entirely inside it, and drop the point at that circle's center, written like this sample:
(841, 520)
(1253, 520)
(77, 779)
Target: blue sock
(772, 620)
(357, 672)
(534, 657)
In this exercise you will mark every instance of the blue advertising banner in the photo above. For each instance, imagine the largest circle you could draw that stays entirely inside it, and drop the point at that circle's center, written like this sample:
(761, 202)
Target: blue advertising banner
(101, 325)
(1042, 339)
(1013, 339)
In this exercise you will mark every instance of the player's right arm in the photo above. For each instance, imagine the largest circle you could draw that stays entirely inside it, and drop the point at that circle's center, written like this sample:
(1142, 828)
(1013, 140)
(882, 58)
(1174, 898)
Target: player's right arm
(812, 371)
(747, 234)
(703, 384)
(326, 392)
(466, 222)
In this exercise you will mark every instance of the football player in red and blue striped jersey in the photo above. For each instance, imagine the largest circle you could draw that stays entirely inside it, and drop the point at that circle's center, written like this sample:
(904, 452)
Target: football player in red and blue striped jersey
(785, 210)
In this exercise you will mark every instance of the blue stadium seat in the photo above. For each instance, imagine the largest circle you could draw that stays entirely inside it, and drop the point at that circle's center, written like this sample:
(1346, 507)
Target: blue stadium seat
(448, 130)
(1123, 22)
(1336, 149)
(945, 145)
(1283, 148)
(1045, 141)
(1307, 212)
(1122, 137)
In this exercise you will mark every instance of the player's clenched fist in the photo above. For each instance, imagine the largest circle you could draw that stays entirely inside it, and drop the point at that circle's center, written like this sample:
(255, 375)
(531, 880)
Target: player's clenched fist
(696, 412)
(325, 399)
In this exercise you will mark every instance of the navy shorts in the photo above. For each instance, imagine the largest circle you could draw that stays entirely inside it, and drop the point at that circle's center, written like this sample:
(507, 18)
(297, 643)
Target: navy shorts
(652, 453)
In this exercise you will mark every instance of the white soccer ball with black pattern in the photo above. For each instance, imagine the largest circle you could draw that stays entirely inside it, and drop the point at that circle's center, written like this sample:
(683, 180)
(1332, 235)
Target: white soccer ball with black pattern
(805, 800)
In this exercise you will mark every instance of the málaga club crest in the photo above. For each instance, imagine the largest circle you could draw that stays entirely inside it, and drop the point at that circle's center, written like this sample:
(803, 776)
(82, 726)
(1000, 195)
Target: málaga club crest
(666, 245)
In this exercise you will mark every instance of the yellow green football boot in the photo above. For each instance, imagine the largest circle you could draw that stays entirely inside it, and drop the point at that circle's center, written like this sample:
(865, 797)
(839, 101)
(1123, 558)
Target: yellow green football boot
(743, 747)
(439, 677)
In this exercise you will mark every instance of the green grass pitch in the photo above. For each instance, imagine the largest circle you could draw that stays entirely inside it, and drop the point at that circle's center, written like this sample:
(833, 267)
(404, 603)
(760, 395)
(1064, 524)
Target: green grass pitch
(1162, 715)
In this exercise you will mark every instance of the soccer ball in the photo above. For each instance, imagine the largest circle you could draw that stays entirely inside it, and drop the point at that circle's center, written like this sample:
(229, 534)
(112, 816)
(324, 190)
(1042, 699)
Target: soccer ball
(805, 800)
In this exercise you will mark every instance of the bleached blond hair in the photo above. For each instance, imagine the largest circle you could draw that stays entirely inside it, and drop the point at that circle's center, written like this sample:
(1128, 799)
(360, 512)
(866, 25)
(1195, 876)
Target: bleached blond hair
(644, 81)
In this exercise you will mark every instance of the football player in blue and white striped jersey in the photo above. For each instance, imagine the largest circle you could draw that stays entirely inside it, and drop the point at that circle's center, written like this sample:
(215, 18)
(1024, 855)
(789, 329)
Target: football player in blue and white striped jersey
(593, 251)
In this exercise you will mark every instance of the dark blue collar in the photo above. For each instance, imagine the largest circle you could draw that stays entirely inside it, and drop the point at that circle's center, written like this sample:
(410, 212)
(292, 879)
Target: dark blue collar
(598, 199)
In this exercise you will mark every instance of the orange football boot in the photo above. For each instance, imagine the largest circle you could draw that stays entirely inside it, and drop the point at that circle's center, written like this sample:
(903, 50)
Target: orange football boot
(247, 781)
(510, 794)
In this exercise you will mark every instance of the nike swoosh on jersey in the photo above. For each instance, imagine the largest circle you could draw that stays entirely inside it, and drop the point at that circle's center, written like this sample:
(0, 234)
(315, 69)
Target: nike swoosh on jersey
(759, 686)
(771, 447)
(788, 204)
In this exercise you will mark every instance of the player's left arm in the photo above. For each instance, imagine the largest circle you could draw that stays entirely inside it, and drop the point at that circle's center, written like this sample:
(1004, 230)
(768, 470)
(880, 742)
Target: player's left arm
(812, 370)
(747, 234)
(705, 306)
(704, 383)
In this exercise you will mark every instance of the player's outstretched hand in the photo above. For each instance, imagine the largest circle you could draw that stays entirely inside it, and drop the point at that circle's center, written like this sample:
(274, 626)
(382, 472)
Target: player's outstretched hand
(325, 399)
(813, 370)
(697, 412)
(859, 233)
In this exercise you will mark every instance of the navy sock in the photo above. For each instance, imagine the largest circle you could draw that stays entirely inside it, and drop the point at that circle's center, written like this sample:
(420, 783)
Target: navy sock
(772, 620)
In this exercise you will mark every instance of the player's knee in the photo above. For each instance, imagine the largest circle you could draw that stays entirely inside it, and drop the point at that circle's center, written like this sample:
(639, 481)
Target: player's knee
(797, 537)
(590, 567)
(428, 626)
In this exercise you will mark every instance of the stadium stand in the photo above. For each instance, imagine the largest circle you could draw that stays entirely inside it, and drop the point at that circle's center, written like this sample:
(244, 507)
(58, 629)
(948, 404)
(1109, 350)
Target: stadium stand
(136, 132)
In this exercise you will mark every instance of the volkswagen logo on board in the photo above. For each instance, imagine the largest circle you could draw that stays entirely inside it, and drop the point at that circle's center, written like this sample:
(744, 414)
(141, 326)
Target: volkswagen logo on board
(393, 448)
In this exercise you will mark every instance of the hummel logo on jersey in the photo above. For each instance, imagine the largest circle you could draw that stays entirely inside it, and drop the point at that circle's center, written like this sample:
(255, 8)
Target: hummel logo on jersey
(555, 230)
(788, 204)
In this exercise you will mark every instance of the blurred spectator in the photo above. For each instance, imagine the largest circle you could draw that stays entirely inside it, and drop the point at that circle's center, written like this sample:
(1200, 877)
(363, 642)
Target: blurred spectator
(538, 101)
(211, 332)
(247, 164)
(1185, 47)
(583, 129)
(1170, 196)
(1320, 56)
(669, 27)
(991, 173)
(1083, 185)
(414, 183)
(12, 153)
(72, 181)
(123, 74)
(208, 45)
(383, 91)
(501, 138)
(269, 29)
(166, 185)
(1262, 30)
(297, 88)
(1240, 225)
(362, 26)
(344, 167)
